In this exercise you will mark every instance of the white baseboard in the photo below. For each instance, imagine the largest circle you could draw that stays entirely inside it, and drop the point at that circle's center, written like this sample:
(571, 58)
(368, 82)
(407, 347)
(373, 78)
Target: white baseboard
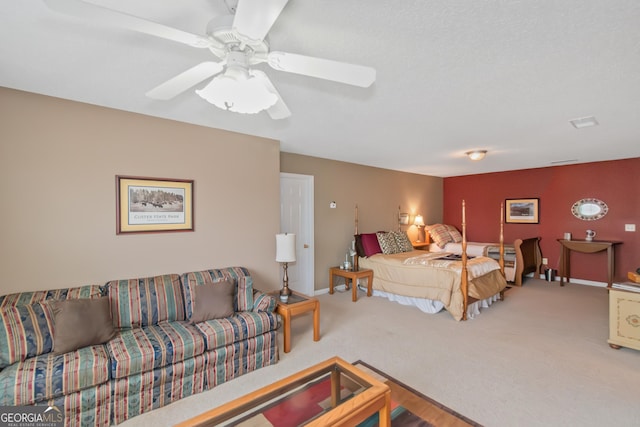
(580, 282)
(338, 288)
(342, 288)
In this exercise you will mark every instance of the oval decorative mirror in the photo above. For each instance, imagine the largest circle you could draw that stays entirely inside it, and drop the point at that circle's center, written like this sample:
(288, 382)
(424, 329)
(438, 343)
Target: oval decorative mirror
(589, 209)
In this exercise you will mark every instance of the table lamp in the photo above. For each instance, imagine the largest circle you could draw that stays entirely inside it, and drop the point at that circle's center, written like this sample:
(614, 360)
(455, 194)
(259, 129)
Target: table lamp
(285, 253)
(418, 222)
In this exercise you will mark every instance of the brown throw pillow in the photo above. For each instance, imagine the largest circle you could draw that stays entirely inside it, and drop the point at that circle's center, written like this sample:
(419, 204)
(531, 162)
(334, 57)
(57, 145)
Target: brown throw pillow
(213, 301)
(80, 323)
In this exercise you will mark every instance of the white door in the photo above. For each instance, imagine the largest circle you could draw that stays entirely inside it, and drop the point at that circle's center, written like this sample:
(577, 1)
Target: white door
(296, 216)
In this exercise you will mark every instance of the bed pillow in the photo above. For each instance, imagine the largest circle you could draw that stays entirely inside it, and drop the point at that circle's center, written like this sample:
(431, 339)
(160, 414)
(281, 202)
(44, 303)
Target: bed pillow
(26, 331)
(402, 241)
(387, 243)
(440, 234)
(455, 234)
(370, 244)
(213, 301)
(81, 323)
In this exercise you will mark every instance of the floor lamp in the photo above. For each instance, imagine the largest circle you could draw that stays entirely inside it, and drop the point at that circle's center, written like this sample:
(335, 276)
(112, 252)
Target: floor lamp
(285, 253)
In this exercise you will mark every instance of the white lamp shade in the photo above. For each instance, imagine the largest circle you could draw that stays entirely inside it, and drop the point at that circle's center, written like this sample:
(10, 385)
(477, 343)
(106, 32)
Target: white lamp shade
(418, 222)
(239, 91)
(285, 247)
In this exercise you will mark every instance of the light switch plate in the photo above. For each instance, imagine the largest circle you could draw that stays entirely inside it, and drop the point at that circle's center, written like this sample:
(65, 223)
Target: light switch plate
(629, 227)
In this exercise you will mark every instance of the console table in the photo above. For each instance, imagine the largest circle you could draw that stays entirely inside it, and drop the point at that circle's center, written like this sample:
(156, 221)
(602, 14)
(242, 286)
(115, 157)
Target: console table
(587, 247)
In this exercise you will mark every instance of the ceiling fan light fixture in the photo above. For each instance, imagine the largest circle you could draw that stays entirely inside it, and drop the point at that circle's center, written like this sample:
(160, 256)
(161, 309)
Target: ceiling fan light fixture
(239, 91)
(476, 154)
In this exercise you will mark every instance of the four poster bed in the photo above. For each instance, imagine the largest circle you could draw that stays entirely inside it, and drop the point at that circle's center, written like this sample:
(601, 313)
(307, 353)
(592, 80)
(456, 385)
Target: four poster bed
(432, 281)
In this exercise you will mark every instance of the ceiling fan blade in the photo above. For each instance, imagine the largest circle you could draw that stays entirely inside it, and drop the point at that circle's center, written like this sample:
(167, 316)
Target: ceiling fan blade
(351, 74)
(185, 80)
(279, 110)
(254, 18)
(83, 10)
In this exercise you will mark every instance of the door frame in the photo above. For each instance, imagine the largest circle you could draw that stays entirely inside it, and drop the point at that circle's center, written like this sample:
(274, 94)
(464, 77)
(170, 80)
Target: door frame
(307, 277)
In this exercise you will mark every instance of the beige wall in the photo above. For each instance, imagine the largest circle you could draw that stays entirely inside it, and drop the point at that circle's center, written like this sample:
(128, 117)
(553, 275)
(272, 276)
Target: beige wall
(58, 163)
(377, 192)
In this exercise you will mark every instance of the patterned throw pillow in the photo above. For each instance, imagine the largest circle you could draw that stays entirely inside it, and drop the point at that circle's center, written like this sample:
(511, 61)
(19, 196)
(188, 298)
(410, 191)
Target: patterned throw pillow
(455, 234)
(440, 234)
(387, 243)
(402, 241)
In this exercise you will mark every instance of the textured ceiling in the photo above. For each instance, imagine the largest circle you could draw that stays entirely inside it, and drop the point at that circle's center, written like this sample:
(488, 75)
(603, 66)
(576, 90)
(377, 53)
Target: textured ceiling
(452, 76)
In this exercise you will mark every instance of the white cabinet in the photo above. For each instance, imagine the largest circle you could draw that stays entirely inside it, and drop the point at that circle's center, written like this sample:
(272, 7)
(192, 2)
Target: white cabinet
(624, 319)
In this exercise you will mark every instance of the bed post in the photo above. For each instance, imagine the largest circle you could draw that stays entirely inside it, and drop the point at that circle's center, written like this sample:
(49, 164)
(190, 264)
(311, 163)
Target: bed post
(501, 262)
(464, 284)
(355, 258)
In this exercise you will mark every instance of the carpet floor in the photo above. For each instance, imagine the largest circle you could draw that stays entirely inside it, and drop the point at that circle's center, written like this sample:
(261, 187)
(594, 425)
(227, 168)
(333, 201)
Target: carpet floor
(414, 408)
(409, 407)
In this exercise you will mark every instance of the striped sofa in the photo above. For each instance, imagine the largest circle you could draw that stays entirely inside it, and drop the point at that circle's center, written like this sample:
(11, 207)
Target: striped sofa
(156, 355)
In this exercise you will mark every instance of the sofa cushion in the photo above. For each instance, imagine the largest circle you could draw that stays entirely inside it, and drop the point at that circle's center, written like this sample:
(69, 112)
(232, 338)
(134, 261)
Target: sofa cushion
(49, 375)
(25, 331)
(143, 392)
(240, 326)
(226, 363)
(238, 275)
(213, 301)
(146, 301)
(34, 297)
(80, 323)
(143, 349)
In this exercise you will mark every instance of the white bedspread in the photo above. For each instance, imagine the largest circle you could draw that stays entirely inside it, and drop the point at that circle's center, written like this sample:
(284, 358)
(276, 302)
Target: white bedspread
(476, 267)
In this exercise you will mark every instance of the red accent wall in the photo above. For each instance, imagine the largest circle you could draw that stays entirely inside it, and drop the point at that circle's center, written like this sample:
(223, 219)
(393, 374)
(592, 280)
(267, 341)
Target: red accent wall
(617, 183)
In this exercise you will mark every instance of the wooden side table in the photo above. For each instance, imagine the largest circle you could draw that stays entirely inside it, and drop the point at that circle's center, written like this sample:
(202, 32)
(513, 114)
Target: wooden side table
(297, 304)
(422, 246)
(353, 276)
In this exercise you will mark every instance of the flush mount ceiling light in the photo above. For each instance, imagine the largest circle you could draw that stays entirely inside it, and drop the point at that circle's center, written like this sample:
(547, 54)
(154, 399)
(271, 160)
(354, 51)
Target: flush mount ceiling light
(584, 122)
(476, 154)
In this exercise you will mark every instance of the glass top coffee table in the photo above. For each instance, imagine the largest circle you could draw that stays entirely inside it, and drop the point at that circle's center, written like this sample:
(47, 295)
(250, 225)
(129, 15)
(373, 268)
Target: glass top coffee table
(352, 396)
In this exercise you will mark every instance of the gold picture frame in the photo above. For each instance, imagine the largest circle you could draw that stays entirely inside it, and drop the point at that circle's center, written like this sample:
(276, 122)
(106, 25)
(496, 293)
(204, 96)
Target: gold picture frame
(153, 205)
(522, 211)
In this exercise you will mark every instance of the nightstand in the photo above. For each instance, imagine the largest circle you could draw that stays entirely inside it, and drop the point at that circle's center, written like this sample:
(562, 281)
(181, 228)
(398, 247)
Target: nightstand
(297, 304)
(353, 276)
(424, 246)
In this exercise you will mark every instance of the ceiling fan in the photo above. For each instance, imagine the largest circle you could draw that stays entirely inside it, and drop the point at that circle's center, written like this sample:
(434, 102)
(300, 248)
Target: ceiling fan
(239, 42)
